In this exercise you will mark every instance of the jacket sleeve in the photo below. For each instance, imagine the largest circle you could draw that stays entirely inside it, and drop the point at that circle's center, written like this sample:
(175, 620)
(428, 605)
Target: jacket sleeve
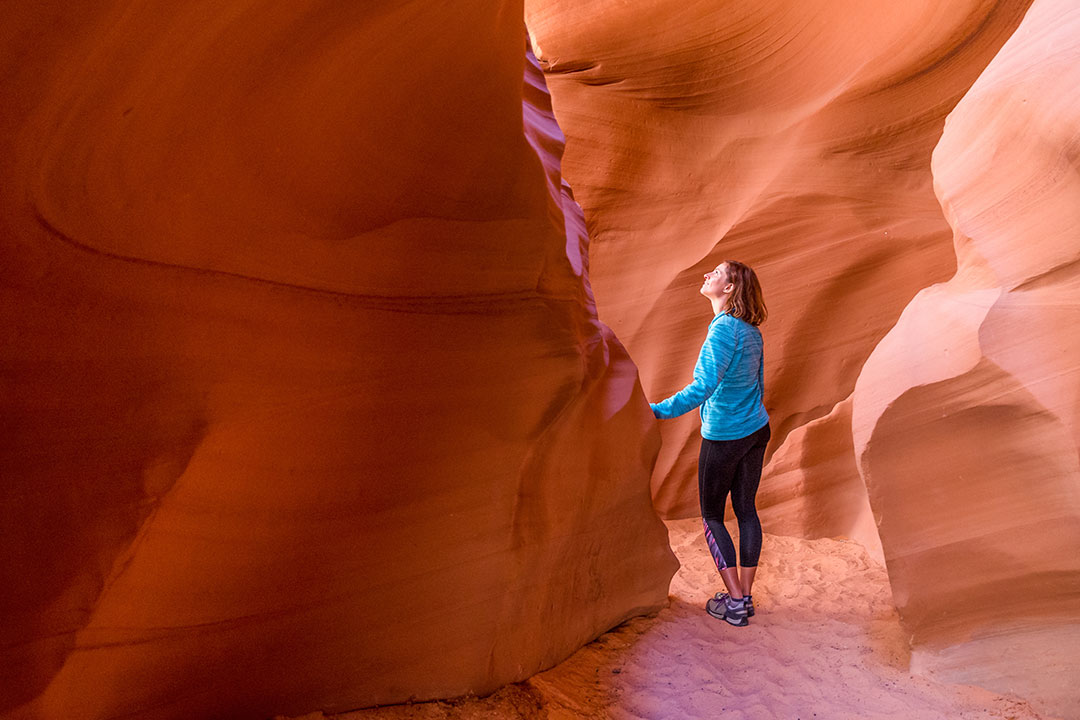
(712, 363)
(761, 374)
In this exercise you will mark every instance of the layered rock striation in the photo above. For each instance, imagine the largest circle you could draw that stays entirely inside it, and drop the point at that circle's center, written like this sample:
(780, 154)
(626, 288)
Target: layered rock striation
(966, 416)
(798, 137)
(794, 136)
(305, 401)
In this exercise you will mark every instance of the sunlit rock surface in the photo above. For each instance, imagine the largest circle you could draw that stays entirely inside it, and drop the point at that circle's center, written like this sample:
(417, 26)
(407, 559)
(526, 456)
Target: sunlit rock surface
(304, 400)
(797, 137)
(794, 136)
(967, 415)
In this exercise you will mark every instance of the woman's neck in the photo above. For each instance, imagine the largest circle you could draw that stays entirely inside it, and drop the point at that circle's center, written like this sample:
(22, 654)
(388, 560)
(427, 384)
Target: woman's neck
(718, 305)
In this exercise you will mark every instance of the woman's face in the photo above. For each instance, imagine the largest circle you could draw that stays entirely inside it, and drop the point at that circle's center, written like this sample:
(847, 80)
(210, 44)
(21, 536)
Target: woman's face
(716, 285)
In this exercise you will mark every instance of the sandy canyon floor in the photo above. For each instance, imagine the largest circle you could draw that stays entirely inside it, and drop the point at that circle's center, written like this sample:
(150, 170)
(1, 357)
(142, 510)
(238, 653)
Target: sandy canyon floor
(826, 643)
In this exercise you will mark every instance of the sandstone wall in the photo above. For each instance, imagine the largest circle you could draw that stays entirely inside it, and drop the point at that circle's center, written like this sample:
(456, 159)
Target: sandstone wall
(794, 136)
(798, 137)
(304, 400)
(966, 415)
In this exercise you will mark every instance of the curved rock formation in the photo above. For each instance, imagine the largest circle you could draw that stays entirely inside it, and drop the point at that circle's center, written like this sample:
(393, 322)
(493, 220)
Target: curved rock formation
(966, 416)
(795, 136)
(305, 402)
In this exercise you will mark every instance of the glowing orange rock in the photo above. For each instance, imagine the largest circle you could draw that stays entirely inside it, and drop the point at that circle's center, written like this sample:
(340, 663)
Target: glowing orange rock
(966, 417)
(306, 404)
(792, 136)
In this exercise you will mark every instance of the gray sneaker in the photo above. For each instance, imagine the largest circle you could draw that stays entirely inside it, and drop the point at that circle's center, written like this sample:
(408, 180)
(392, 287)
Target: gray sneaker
(731, 611)
(749, 602)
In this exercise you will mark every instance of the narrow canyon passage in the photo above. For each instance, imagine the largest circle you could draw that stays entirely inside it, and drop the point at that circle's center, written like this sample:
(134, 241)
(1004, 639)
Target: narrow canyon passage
(826, 643)
(329, 331)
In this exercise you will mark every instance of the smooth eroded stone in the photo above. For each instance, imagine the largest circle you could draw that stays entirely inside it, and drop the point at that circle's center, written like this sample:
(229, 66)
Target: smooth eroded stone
(305, 401)
(966, 417)
(794, 136)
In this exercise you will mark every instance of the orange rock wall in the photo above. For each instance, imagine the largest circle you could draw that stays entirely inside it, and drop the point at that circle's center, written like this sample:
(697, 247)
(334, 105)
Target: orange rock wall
(966, 416)
(798, 137)
(794, 136)
(305, 404)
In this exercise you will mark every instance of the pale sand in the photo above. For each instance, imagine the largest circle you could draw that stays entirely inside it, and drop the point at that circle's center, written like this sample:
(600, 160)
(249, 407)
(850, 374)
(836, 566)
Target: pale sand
(826, 643)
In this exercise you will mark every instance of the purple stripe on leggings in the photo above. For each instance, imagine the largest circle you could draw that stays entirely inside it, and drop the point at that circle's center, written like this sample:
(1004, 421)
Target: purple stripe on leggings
(713, 548)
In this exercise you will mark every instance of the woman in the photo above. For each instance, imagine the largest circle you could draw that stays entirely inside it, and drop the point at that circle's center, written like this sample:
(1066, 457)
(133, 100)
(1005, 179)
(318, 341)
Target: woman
(728, 384)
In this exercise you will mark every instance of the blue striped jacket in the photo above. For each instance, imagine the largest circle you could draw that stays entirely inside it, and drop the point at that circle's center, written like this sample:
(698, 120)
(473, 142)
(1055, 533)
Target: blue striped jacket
(729, 382)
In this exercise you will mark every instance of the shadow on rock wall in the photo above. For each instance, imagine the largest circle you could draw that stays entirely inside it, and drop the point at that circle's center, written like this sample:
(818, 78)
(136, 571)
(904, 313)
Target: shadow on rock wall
(305, 401)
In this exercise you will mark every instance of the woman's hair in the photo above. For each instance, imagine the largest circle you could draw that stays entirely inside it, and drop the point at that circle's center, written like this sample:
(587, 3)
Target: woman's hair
(747, 302)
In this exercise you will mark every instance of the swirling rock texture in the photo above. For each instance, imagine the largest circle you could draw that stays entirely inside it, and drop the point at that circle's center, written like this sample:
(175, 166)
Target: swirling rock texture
(795, 136)
(798, 137)
(966, 416)
(305, 404)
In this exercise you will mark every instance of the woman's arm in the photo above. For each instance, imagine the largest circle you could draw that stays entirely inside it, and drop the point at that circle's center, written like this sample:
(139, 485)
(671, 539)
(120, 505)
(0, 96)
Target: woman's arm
(712, 363)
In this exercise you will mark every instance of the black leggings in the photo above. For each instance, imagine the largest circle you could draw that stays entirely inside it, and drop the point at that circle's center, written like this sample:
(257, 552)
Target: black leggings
(732, 466)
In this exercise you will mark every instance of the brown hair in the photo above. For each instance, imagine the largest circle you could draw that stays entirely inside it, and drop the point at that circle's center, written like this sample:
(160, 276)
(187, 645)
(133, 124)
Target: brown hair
(747, 301)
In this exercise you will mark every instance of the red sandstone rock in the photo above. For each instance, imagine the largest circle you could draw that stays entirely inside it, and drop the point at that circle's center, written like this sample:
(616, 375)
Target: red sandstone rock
(814, 488)
(305, 401)
(966, 415)
(795, 136)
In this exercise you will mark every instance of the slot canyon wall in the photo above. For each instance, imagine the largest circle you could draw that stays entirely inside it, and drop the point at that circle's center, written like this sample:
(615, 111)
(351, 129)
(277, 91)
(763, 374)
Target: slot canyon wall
(797, 137)
(305, 400)
(305, 403)
(969, 444)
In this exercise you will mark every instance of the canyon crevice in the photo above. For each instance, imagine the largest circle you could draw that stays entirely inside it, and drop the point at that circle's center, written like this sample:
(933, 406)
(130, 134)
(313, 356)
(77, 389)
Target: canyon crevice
(306, 403)
(320, 389)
